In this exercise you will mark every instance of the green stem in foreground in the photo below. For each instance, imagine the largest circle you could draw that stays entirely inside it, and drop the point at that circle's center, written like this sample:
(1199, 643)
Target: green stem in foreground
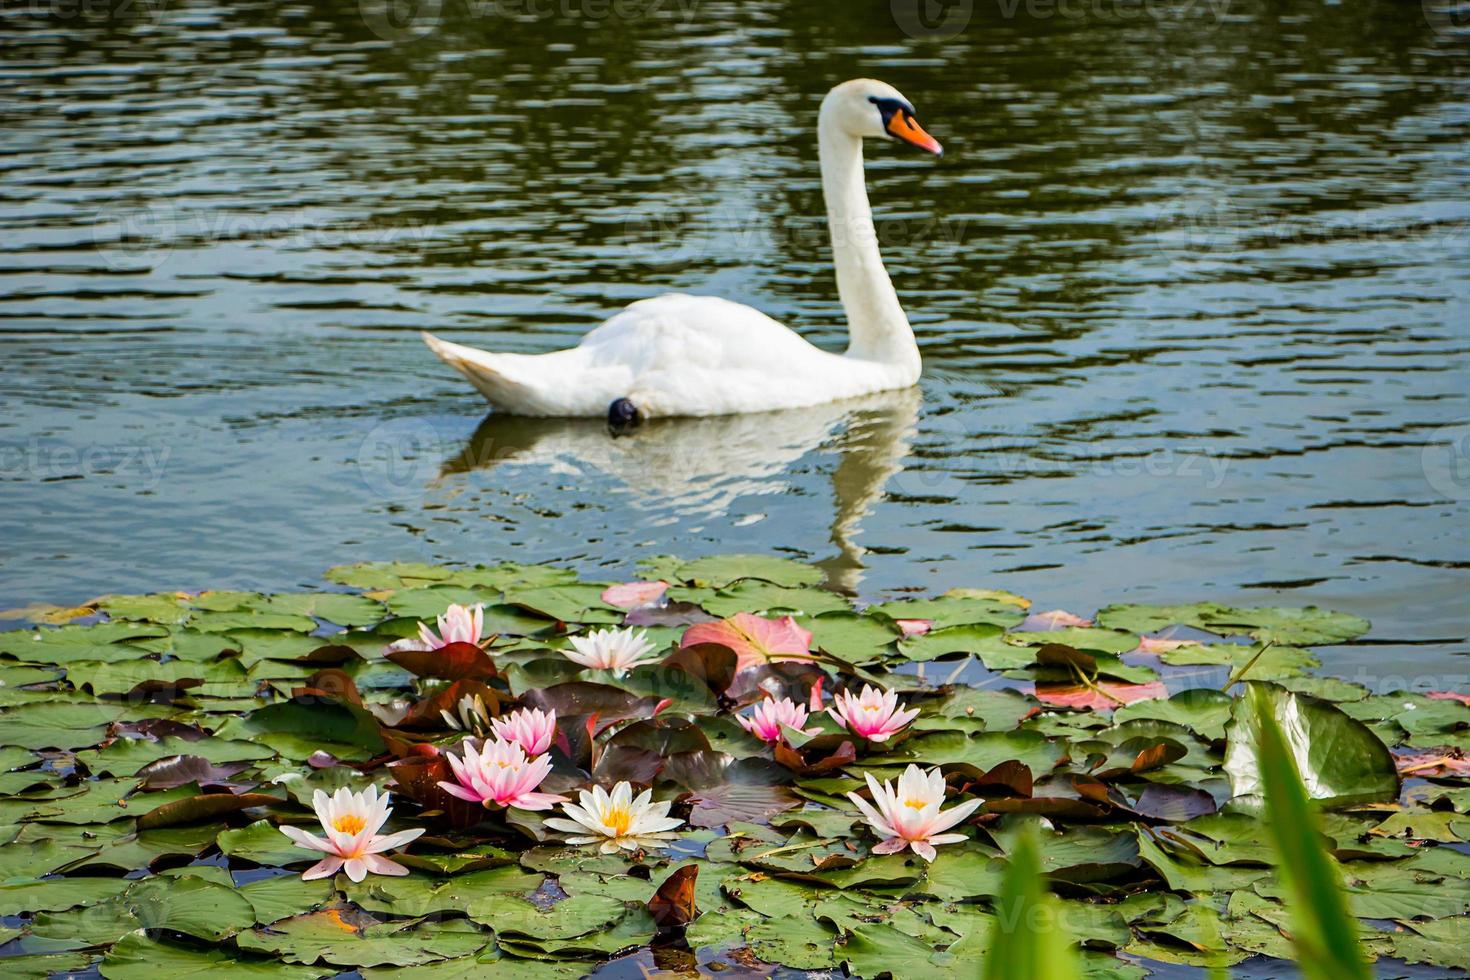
(1325, 933)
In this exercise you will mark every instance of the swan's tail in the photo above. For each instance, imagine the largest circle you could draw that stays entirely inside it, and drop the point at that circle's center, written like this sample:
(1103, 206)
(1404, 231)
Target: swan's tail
(488, 373)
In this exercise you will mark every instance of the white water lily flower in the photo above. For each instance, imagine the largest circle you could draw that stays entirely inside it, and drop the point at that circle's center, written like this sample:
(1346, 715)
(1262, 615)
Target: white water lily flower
(351, 822)
(617, 650)
(910, 816)
(615, 820)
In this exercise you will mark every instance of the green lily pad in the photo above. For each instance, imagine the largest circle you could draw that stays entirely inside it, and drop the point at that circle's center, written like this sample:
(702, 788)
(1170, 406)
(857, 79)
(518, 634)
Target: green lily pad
(722, 571)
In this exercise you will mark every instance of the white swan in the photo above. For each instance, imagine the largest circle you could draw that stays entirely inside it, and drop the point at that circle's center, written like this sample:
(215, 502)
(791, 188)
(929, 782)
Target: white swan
(701, 355)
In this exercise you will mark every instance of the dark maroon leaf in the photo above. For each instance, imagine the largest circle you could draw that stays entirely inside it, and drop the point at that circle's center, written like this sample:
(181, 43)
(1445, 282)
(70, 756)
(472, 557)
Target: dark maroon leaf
(710, 663)
(155, 729)
(673, 614)
(208, 806)
(627, 762)
(662, 736)
(673, 904)
(426, 713)
(457, 661)
(332, 684)
(178, 770)
(418, 776)
(1010, 778)
(716, 806)
(330, 655)
(583, 698)
(1173, 804)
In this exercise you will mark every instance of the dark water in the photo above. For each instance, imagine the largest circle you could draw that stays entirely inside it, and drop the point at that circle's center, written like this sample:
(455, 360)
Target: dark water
(1192, 286)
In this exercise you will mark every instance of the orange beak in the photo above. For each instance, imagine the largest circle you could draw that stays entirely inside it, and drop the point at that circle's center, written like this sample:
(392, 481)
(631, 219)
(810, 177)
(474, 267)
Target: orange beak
(907, 128)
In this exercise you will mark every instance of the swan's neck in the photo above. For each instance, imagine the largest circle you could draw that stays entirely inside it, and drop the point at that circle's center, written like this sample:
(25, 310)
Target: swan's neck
(876, 323)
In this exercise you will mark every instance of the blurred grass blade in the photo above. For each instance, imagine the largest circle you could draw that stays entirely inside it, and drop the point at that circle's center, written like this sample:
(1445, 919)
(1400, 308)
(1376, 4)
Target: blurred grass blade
(1028, 940)
(1326, 935)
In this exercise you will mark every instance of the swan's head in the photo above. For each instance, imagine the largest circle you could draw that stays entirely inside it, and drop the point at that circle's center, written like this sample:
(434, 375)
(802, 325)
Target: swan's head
(870, 109)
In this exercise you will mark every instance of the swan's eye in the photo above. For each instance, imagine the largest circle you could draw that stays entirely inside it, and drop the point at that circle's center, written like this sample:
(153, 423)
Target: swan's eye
(889, 109)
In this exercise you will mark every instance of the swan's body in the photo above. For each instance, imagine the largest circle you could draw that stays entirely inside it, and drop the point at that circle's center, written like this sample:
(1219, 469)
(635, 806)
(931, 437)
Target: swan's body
(701, 355)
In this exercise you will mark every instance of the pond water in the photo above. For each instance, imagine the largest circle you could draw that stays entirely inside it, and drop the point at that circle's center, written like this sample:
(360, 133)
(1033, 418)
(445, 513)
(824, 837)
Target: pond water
(1192, 285)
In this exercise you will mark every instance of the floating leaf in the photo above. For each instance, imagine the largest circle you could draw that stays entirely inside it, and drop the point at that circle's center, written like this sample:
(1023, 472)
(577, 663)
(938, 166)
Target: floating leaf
(1340, 760)
(756, 641)
(673, 903)
(724, 570)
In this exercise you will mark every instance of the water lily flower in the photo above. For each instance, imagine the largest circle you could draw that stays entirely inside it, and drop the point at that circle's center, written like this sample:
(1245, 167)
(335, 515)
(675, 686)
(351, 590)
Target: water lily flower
(530, 728)
(473, 715)
(1054, 619)
(459, 624)
(616, 820)
(910, 816)
(500, 775)
(873, 715)
(914, 627)
(767, 717)
(616, 650)
(351, 822)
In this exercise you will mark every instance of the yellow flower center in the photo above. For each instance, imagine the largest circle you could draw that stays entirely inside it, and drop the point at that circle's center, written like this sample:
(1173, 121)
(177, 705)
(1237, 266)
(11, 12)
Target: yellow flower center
(915, 804)
(618, 820)
(349, 823)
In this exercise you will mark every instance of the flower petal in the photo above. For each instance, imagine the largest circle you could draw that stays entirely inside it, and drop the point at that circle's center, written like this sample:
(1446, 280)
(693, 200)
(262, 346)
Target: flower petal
(326, 867)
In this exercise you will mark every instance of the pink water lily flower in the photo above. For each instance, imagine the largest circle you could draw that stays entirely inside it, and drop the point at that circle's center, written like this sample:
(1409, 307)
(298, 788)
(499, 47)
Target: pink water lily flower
(875, 714)
(910, 816)
(530, 728)
(500, 775)
(351, 822)
(767, 717)
(459, 624)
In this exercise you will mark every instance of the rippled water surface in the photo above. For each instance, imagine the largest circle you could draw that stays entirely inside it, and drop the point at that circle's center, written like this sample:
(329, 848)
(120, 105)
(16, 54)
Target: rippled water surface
(1192, 285)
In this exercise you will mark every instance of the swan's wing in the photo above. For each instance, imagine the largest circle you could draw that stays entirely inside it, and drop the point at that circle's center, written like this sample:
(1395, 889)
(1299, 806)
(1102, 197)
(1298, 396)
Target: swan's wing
(697, 332)
(564, 383)
(672, 355)
(700, 355)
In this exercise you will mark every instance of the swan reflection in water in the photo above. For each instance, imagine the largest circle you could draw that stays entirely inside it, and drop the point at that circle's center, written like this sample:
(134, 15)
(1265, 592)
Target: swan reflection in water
(700, 466)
